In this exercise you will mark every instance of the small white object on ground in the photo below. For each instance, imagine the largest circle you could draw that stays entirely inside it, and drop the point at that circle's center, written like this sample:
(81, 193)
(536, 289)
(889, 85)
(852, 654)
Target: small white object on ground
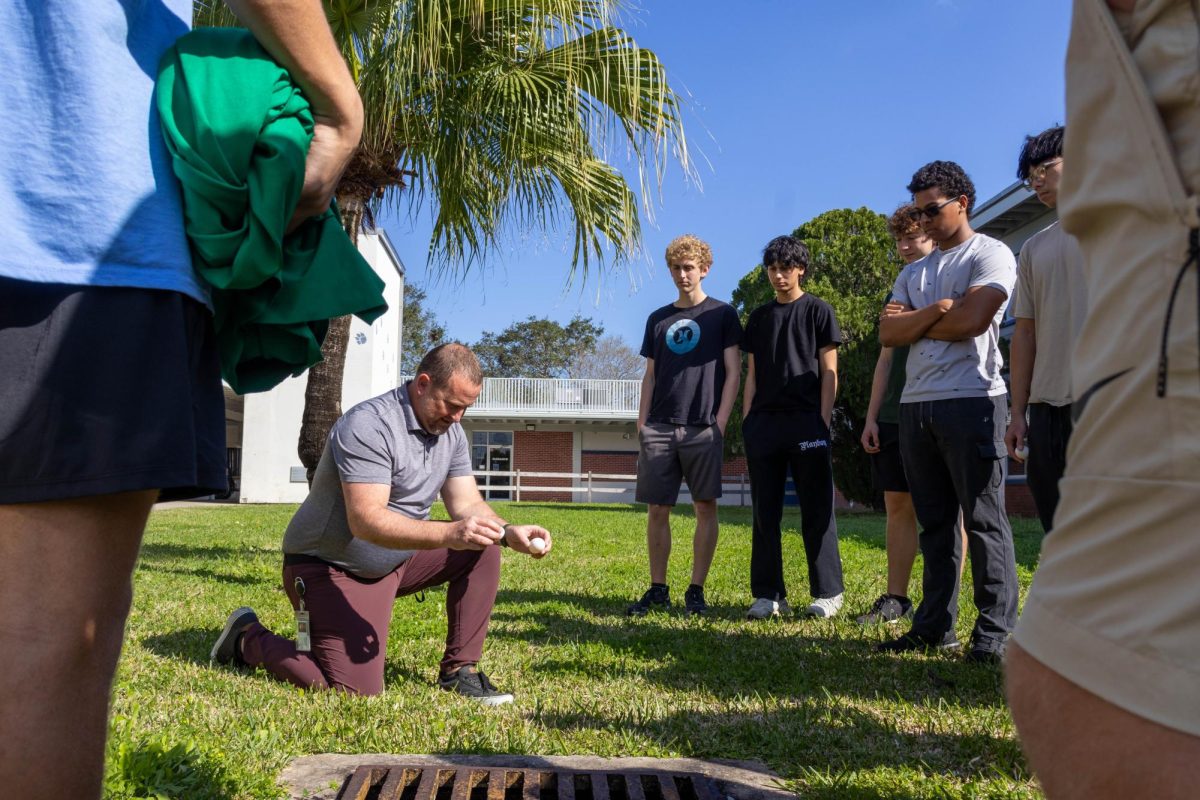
(1022, 453)
(537, 545)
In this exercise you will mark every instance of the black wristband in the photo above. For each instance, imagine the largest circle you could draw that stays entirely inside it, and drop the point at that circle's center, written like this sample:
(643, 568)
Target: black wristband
(504, 534)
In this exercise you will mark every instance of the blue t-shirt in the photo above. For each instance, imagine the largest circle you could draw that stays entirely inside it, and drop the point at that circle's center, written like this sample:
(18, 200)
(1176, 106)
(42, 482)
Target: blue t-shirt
(87, 197)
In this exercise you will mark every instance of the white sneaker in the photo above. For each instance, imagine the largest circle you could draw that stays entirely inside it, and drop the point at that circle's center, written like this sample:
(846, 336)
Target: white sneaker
(825, 606)
(764, 608)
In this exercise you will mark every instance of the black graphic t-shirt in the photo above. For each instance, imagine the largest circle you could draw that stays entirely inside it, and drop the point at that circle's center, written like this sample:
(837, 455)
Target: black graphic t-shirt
(688, 346)
(786, 340)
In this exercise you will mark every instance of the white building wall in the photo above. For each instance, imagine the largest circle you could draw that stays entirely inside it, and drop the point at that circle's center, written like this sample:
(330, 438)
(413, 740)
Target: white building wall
(271, 470)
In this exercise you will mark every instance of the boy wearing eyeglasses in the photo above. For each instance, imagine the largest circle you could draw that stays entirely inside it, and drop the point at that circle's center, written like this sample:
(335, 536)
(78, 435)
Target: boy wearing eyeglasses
(1049, 305)
(953, 414)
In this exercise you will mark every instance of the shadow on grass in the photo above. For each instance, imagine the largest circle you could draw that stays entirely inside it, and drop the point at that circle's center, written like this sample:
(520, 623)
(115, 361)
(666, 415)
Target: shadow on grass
(785, 658)
(185, 644)
(167, 551)
(206, 574)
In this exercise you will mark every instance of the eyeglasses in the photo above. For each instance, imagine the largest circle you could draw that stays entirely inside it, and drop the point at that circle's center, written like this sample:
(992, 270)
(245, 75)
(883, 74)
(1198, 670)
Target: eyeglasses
(1038, 173)
(930, 211)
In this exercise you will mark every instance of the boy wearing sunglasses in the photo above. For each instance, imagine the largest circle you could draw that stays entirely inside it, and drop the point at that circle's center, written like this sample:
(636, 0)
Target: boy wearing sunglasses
(953, 411)
(1049, 305)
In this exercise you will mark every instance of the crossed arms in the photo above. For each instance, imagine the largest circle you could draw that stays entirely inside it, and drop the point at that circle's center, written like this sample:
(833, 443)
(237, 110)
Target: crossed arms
(946, 320)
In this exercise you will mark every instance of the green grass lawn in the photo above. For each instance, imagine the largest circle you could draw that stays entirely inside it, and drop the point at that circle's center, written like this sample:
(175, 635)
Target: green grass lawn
(808, 698)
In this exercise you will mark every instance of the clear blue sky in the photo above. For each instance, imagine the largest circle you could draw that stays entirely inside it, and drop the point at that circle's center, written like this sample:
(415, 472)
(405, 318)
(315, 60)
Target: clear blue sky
(796, 107)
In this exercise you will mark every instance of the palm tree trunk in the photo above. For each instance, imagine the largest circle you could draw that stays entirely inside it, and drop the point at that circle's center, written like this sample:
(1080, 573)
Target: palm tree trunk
(323, 394)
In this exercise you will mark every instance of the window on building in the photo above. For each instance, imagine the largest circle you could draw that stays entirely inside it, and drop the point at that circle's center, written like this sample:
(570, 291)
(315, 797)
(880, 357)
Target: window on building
(491, 451)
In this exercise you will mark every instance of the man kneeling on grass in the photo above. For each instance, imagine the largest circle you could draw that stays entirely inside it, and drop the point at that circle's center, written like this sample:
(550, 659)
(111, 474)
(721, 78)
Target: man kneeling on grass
(363, 537)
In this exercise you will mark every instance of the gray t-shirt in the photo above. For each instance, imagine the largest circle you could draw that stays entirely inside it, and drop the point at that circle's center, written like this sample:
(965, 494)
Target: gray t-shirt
(1051, 291)
(377, 441)
(969, 368)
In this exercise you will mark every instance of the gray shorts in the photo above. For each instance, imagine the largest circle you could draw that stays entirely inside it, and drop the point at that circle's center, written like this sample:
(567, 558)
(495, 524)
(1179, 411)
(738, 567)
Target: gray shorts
(673, 453)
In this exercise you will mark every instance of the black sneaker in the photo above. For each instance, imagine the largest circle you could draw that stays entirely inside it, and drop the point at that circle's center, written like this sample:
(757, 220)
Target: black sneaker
(469, 682)
(655, 597)
(225, 650)
(989, 653)
(693, 601)
(911, 641)
(889, 608)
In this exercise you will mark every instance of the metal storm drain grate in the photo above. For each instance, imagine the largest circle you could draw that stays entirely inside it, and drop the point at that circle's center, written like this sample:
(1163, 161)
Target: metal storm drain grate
(395, 782)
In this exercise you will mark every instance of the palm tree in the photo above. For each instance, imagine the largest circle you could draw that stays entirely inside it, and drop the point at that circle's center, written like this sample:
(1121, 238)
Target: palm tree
(502, 115)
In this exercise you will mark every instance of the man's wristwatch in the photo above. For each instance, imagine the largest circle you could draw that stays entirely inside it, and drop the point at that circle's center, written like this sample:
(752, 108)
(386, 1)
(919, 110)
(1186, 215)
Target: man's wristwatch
(504, 534)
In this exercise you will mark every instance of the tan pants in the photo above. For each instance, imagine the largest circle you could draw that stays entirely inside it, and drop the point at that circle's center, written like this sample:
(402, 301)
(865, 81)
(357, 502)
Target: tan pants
(1115, 604)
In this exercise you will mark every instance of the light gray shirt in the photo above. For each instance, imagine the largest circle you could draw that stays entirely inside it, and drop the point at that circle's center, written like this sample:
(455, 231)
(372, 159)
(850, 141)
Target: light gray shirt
(939, 370)
(1051, 291)
(378, 441)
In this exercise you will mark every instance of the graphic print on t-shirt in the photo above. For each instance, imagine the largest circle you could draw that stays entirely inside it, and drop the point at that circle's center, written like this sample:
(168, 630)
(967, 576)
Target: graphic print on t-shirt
(683, 336)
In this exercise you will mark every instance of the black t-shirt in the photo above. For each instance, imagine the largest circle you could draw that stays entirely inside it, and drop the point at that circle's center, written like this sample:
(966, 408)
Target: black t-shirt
(786, 340)
(688, 347)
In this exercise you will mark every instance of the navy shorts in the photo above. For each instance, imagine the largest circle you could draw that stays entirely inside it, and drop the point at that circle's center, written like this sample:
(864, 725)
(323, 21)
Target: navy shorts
(105, 390)
(887, 469)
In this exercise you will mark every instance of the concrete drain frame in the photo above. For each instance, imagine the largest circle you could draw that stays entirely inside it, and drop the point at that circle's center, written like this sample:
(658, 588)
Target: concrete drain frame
(519, 777)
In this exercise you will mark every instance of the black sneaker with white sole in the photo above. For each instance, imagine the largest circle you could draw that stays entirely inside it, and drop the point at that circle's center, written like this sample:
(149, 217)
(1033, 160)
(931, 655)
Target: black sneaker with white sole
(888, 608)
(469, 682)
(225, 649)
(912, 641)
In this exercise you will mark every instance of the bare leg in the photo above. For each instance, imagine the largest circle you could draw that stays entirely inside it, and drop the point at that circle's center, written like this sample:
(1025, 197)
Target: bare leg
(1081, 746)
(658, 541)
(705, 543)
(65, 591)
(962, 530)
(901, 541)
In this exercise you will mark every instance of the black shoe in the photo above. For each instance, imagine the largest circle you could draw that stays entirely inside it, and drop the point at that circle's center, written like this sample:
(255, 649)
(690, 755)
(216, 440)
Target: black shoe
(693, 601)
(655, 597)
(911, 641)
(989, 653)
(470, 682)
(225, 650)
(888, 608)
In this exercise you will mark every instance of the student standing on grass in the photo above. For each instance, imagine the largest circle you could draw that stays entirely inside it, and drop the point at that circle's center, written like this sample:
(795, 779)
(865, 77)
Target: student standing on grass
(1049, 305)
(791, 346)
(110, 388)
(363, 538)
(1103, 675)
(881, 438)
(688, 392)
(953, 412)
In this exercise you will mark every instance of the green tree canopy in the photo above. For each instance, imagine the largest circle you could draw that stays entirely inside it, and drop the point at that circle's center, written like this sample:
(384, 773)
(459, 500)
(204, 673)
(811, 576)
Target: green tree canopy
(420, 332)
(536, 347)
(853, 266)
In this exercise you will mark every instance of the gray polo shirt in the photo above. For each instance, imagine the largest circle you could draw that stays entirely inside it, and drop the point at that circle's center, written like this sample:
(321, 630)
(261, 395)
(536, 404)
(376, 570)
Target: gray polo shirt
(969, 368)
(377, 441)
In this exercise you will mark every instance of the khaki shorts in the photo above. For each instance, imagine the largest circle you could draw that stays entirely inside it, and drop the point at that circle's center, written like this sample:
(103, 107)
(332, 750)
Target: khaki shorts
(1115, 604)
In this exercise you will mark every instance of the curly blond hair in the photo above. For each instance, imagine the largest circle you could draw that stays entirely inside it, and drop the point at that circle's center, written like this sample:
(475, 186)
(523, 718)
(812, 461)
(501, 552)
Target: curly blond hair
(689, 247)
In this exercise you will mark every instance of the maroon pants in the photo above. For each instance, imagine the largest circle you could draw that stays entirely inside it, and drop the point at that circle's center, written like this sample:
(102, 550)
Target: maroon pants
(349, 618)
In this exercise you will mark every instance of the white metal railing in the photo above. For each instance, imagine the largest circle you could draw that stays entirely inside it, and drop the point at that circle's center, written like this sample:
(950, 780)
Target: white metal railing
(594, 486)
(561, 397)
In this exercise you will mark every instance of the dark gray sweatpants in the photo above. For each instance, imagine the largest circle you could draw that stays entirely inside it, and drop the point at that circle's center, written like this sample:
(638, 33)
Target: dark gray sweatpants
(954, 458)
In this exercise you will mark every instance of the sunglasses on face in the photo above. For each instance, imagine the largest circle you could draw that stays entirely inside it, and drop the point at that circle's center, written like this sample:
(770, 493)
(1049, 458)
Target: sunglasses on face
(1038, 173)
(930, 211)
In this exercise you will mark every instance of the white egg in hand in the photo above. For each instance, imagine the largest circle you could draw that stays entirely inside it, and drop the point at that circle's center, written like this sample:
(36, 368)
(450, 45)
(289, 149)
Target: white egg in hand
(537, 545)
(1022, 453)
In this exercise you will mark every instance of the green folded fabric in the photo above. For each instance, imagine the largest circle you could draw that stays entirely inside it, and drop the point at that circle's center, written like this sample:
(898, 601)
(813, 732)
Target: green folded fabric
(238, 131)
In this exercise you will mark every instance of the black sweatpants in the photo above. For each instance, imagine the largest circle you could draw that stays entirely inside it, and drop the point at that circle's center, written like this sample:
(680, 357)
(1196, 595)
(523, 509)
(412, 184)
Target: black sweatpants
(778, 441)
(954, 457)
(1049, 432)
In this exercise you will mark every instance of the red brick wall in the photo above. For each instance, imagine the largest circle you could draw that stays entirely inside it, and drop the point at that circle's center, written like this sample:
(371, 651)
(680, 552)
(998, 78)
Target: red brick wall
(544, 451)
(608, 462)
(1018, 500)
